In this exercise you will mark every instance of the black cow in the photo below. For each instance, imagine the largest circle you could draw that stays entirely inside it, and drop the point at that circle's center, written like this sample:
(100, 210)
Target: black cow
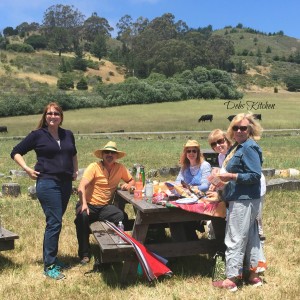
(257, 116)
(230, 117)
(3, 129)
(204, 118)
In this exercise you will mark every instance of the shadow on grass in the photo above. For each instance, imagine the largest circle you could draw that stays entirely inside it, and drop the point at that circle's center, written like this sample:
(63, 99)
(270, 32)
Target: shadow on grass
(6, 264)
(182, 268)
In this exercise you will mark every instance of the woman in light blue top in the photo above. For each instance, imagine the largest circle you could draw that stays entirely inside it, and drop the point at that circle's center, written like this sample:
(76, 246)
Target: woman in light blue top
(194, 169)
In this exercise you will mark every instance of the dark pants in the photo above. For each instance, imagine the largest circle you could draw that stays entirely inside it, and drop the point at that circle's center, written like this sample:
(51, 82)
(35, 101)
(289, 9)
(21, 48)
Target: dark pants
(54, 197)
(97, 213)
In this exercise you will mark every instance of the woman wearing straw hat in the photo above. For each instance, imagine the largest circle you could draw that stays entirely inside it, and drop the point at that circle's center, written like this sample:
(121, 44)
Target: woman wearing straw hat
(194, 171)
(96, 190)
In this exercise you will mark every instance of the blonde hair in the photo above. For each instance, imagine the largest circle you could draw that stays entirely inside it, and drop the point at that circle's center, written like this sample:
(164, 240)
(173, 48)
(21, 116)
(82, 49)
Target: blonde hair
(255, 128)
(42, 123)
(218, 134)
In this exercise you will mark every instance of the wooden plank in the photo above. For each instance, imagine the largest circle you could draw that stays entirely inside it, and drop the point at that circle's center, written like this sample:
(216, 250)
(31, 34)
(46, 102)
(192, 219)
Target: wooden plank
(203, 246)
(110, 248)
(7, 239)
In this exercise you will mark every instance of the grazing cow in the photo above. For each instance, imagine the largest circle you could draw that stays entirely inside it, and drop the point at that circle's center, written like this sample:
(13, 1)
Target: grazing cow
(257, 116)
(230, 117)
(3, 129)
(204, 118)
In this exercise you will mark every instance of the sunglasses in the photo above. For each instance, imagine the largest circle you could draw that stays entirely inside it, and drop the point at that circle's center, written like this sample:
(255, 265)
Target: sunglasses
(53, 114)
(241, 128)
(191, 151)
(218, 142)
(109, 152)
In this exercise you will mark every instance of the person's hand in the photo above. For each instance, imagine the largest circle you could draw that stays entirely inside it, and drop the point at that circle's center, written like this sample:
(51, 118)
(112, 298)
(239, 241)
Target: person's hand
(125, 187)
(211, 195)
(31, 173)
(74, 176)
(81, 208)
(225, 177)
(212, 188)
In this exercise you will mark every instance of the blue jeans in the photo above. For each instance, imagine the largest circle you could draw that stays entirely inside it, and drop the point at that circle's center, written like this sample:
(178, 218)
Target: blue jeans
(54, 197)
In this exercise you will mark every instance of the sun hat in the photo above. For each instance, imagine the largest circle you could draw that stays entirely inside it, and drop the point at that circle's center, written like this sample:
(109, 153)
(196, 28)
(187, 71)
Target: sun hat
(110, 146)
(192, 143)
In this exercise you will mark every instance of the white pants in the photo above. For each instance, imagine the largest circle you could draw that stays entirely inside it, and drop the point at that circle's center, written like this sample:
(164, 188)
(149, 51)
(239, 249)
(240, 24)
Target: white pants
(242, 239)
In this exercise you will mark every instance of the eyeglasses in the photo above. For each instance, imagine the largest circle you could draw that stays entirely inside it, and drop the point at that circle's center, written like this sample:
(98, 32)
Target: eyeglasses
(191, 151)
(241, 128)
(109, 152)
(53, 114)
(218, 142)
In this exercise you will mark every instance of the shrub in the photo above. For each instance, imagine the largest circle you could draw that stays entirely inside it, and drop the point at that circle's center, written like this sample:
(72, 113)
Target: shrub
(65, 83)
(82, 84)
(20, 48)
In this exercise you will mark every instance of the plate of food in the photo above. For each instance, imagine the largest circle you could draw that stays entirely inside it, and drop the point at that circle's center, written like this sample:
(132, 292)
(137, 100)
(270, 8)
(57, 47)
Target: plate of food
(186, 201)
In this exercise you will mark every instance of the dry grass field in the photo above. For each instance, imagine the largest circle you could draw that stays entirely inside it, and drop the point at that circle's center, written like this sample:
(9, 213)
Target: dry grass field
(21, 269)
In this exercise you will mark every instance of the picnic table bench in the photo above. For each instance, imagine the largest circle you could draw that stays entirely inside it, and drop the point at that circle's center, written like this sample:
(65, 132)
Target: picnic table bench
(7, 239)
(110, 248)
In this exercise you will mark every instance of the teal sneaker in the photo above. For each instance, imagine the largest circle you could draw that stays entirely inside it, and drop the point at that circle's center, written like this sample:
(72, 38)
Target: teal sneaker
(61, 265)
(53, 272)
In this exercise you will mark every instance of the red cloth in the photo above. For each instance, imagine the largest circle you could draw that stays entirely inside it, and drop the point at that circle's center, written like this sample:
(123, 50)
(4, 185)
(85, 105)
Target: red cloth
(211, 208)
(152, 267)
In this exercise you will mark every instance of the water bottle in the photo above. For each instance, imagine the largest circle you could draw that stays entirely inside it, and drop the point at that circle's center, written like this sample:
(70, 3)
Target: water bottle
(149, 191)
(121, 227)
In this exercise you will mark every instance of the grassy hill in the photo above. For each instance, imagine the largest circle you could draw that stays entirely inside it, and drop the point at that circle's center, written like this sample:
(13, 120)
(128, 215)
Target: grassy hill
(258, 51)
(22, 72)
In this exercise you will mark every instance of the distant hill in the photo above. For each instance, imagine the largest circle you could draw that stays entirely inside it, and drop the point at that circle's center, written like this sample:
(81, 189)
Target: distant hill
(265, 58)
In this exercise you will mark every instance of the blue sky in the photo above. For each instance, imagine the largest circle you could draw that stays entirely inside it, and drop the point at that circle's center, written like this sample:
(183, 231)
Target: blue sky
(263, 15)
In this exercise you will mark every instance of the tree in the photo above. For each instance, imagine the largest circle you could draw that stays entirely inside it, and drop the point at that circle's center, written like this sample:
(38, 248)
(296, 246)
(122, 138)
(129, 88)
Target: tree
(293, 82)
(79, 62)
(59, 40)
(219, 51)
(95, 26)
(25, 28)
(99, 47)
(9, 31)
(62, 25)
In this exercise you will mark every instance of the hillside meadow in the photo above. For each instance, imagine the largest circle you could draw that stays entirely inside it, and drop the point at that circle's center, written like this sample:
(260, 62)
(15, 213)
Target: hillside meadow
(21, 269)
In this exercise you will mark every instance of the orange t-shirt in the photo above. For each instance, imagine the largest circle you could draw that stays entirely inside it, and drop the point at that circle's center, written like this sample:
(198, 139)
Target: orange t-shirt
(102, 185)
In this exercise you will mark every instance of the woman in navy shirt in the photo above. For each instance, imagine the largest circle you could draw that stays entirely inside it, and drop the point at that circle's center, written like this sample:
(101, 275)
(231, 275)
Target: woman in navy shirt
(54, 171)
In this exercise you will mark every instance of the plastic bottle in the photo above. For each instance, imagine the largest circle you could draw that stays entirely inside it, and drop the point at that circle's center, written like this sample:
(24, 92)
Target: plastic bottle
(138, 192)
(121, 227)
(149, 190)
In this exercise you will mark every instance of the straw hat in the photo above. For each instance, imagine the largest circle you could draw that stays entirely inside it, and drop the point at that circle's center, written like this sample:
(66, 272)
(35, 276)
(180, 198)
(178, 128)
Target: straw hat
(192, 143)
(110, 146)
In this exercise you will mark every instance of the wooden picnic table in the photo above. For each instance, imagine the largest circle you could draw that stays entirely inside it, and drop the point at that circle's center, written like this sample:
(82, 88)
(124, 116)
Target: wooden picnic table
(7, 239)
(148, 214)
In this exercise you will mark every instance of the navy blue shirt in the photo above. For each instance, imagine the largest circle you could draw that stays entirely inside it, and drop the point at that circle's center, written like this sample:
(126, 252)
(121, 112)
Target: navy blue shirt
(53, 160)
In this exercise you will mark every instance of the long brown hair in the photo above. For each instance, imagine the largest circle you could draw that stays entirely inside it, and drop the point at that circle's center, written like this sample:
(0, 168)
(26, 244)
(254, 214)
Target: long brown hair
(184, 161)
(42, 123)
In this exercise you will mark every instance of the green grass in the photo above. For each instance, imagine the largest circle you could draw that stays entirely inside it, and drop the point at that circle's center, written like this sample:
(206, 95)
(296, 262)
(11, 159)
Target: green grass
(21, 269)
(173, 116)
